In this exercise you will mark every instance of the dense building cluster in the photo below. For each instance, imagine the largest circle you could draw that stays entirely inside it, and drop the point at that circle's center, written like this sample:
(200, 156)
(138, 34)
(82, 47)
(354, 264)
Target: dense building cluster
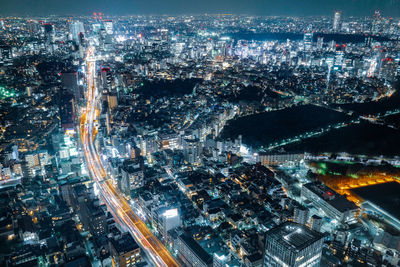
(168, 87)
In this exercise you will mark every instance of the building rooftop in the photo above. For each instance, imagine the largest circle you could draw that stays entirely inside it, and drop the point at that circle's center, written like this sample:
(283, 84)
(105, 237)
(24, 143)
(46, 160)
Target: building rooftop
(334, 199)
(293, 236)
(196, 248)
(124, 244)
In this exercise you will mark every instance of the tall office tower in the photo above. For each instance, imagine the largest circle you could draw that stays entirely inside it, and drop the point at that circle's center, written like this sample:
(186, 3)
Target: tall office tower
(300, 215)
(69, 82)
(192, 150)
(387, 69)
(164, 34)
(15, 152)
(376, 23)
(5, 52)
(308, 40)
(75, 29)
(49, 32)
(292, 244)
(2, 26)
(339, 57)
(67, 110)
(29, 91)
(33, 26)
(96, 27)
(336, 21)
(107, 80)
(108, 26)
(320, 42)
(112, 101)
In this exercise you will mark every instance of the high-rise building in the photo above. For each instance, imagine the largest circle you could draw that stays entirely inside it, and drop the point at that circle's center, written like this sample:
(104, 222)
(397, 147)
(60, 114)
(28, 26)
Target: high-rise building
(301, 214)
(108, 26)
(294, 245)
(320, 42)
(15, 153)
(191, 253)
(191, 150)
(5, 52)
(49, 32)
(220, 260)
(125, 251)
(69, 81)
(164, 34)
(32, 160)
(387, 69)
(339, 59)
(112, 101)
(29, 91)
(132, 177)
(33, 26)
(336, 21)
(67, 110)
(170, 219)
(75, 29)
(96, 27)
(308, 40)
(316, 223)
(376, 23)
(106, 79)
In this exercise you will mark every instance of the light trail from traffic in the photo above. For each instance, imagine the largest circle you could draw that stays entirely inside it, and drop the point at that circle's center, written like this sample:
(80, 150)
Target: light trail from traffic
(116, 204)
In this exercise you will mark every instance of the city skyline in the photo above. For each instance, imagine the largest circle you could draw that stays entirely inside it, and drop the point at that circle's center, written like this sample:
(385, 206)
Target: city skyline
(389, 8)
(200, 140)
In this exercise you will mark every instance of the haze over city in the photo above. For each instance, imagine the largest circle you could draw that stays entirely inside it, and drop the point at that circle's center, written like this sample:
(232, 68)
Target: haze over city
(192, 7)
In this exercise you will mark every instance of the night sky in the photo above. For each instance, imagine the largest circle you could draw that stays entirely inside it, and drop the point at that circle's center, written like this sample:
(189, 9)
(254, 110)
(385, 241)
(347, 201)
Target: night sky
(255, 7)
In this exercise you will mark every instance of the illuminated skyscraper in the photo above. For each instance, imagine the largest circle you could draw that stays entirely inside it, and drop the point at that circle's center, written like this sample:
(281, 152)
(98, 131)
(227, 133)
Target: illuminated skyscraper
(76, 28)
(376, 23)
(320, 42)
(191, 150)
(108, 26)
(336, 21)
(96, 27)
(308, 40)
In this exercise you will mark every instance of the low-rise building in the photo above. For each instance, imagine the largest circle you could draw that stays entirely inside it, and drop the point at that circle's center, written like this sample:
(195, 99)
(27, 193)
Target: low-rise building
(331, 203)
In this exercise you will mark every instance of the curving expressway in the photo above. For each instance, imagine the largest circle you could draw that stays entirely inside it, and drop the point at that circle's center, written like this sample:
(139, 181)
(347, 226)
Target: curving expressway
(116, 204)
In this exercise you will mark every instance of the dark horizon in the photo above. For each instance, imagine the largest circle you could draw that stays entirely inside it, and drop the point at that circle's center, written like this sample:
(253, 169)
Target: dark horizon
(388, 8)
